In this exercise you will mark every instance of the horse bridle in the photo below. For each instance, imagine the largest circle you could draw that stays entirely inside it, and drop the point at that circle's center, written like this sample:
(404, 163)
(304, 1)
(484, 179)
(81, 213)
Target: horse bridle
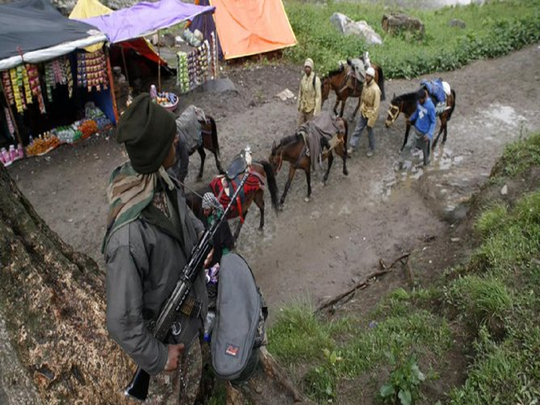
(393, 112)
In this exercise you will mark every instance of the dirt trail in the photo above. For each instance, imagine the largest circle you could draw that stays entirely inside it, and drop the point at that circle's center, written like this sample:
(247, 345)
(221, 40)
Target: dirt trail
(319, 248)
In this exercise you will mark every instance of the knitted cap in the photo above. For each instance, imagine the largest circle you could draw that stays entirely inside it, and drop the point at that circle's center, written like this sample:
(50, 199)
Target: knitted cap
(148, 131)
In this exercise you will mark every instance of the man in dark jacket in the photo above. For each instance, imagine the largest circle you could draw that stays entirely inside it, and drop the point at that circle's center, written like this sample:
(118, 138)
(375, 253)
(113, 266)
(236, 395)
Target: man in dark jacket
(150, 235)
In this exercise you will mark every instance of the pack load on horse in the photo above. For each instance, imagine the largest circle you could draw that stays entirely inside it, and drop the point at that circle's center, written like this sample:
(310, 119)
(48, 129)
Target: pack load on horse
(438, 90)
(312, 143)
(196, 131)
(348, 80)
(407, 103)
(223, 186)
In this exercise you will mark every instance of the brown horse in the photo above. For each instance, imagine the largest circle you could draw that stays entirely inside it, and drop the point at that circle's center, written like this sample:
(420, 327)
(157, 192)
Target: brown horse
(261, 174)
(210, 143)
(337, 80)
(406, 104)
(293, 149)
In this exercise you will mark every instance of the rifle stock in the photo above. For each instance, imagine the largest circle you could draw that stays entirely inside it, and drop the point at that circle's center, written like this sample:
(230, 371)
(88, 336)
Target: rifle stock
(138, 387)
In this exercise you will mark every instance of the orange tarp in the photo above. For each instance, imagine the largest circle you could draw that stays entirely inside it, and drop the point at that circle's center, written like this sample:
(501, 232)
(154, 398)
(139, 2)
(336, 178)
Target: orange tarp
(250, 27)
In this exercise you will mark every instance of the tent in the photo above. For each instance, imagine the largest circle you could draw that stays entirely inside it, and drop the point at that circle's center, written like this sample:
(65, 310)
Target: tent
(34, 31)
(145, 18)
(249, 28)
(93, 8)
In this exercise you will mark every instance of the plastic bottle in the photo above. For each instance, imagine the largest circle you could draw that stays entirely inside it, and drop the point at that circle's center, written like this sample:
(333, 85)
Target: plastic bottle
(12, 153)
(2, 156)
(209, 325)
(30, 140)
(20, 152)
(153, 93)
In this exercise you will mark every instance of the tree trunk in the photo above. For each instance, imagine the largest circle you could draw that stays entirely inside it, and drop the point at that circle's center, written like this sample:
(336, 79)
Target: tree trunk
(52, 303)
(54, 346)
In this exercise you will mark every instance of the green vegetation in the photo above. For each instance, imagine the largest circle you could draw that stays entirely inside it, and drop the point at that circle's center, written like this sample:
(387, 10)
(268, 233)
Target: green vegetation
(492, 30)
(487, 310)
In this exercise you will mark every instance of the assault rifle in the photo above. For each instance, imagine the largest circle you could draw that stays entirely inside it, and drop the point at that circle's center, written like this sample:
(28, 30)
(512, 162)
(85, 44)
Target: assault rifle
(138, 387)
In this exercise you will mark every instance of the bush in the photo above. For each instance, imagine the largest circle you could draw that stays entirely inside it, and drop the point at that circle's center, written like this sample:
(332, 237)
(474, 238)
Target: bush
(493, 30)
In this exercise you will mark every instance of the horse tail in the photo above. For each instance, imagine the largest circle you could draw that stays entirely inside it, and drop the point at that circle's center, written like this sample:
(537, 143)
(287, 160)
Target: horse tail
(453, 105)
(215, 141)
(272, 184)
(381, 83)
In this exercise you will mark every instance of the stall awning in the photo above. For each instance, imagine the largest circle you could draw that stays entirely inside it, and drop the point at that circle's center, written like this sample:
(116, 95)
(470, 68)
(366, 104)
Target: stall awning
(145, 18)
(34, 31)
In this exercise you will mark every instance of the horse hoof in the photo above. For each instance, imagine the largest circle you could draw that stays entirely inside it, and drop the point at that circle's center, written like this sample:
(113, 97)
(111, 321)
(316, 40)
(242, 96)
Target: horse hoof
(323, 183)
(346, 172)
(307, 199)
(280, 207)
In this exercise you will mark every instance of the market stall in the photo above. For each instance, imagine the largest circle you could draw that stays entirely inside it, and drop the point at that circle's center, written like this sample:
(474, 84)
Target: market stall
(52, 91)
(194, 66)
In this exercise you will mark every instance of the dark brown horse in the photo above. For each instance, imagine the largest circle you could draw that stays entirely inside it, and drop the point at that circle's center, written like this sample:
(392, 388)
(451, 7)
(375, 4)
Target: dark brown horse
(337, 80)
(261, 177)
(406, 104)
(210, 143)
(293, 149)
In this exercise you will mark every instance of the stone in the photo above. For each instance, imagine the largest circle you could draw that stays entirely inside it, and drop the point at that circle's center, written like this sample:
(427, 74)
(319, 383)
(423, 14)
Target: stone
(285, 95)
(396, 23)
(504, 190)
(359, 28)
(457, 23)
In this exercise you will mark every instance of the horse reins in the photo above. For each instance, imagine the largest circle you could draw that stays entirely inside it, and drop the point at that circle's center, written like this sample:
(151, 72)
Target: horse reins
(392, 114)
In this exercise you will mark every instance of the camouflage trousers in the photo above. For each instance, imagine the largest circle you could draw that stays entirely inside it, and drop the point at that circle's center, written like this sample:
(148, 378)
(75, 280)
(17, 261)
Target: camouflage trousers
(181, 387)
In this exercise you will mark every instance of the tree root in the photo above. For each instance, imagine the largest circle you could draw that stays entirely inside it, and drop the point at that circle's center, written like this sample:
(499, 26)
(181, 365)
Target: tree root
(362, 283)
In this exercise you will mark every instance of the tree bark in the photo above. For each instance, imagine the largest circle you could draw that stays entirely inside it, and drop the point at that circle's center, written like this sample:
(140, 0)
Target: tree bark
(54, 346)
(52, 300)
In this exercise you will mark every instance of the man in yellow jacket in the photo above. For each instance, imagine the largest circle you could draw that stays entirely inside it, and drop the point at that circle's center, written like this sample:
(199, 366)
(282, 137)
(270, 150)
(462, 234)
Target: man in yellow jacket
(309, 96)
(369, 112)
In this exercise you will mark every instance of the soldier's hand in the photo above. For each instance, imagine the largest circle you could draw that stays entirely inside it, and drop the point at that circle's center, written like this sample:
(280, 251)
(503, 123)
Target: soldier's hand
(208, 259)
(175, 351)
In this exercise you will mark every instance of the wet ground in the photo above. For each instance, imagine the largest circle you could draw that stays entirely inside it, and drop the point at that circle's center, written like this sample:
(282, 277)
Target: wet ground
(317, 249)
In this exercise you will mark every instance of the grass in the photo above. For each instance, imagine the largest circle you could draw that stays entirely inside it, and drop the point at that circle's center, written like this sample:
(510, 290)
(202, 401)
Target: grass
(493, 300)
(492, 30)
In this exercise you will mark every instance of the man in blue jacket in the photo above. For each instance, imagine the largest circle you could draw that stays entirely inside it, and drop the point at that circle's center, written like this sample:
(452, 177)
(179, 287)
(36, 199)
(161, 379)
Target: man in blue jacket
(424, 121)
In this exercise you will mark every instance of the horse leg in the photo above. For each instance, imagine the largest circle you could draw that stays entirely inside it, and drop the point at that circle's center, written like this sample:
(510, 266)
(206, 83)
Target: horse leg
(239, 226)
(336, 105)
(445, 133)
(407, 130)
(292, 171)
(202, 154)
(443, 125)
(259, 201)
(308, 180)
(342, 107)
(330, 160)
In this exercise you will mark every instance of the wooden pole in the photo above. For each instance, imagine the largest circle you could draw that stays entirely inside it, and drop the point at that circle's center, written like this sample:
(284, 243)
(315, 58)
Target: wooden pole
(12, 116)
(159, 64)
(125, 64)
(111, 83)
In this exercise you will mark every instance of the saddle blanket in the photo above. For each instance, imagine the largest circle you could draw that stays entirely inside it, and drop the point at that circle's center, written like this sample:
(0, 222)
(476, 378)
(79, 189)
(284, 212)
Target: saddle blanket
(224, 188)
(188, 126)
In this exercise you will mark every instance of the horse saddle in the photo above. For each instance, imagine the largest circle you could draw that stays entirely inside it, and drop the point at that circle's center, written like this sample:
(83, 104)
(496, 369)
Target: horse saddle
(239, 164)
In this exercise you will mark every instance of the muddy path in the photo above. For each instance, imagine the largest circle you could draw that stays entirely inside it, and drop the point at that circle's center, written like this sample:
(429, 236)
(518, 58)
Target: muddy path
(317, 249)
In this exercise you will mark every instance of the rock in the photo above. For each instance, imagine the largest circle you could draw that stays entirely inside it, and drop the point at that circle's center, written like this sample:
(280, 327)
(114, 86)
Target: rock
(457, 23)
(396, 23)
(455, 240)
(359, 28)
(285, 95)
(504, 190)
